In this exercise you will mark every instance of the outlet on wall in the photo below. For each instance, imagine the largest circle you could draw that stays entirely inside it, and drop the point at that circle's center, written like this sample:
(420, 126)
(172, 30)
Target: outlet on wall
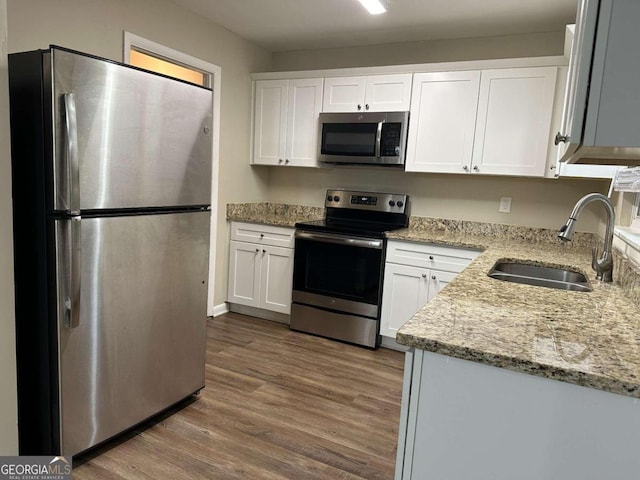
(505, 205)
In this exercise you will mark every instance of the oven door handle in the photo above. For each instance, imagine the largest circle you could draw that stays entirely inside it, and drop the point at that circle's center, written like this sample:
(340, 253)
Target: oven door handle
(374, 243)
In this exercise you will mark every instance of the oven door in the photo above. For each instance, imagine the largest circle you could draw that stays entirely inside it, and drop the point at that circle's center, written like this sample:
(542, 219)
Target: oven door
(338, 272)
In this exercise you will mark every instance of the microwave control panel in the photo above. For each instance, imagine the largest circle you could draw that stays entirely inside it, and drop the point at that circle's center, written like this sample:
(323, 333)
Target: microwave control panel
(390, 139)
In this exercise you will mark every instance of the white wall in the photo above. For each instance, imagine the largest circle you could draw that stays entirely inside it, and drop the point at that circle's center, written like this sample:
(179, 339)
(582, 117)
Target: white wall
(536, 202)
(510, 46)
(8, 388)
(96, 27)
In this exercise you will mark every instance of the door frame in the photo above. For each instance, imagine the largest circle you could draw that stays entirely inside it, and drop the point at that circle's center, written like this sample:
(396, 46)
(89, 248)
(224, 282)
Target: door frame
(215, 73)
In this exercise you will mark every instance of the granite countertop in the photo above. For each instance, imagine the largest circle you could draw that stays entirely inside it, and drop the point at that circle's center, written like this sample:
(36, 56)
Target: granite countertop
(277, 214)
(586, 338)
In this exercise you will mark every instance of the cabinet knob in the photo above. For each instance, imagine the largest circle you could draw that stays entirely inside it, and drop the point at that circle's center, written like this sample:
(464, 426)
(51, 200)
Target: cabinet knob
(366, 106)
(264, 251)
(430, 257)
(359, 107)
(561, 138)
(262, 235)
(286, 161)
(257, 250)
(475, 168)
(279, 160)
(465, 168)
(433, 277)
(424, 275)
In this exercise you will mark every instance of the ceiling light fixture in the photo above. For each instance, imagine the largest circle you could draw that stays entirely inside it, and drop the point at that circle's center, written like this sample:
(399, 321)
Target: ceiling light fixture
(374, 7)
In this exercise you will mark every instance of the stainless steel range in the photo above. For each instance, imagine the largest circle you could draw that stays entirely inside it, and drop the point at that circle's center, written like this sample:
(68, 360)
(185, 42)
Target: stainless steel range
(339, 265)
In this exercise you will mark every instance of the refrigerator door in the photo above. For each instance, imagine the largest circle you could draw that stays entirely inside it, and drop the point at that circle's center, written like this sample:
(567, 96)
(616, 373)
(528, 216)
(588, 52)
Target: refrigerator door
(138, 345)
(126, 138)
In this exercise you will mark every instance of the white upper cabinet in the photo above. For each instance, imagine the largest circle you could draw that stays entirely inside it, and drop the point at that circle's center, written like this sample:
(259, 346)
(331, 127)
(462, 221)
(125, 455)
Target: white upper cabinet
(375, 93)
(286, 121)
(513, 127)
(495, 122)
(443, 120)
(602, 101)
(270, 121)
(305, 102)
(344, 94)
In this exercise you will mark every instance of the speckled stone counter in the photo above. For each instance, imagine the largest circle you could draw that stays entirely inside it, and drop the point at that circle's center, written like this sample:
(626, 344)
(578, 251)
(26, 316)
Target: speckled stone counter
(590, 339)
(278, 214)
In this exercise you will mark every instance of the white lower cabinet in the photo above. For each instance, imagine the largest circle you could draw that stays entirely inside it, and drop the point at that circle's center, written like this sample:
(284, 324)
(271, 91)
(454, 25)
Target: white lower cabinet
(414, 274)
(275, 279)
(463, 420)
(261, 271)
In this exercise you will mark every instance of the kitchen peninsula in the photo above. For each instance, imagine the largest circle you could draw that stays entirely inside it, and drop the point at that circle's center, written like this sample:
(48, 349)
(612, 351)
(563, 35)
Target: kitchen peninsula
(505, 380)
(530, 418)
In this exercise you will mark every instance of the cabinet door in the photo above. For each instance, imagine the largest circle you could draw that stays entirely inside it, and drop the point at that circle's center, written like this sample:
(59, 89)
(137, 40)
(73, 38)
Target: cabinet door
(270, 122)
(514, 121)
(344, 94)
(244, 274)
(388, 93)
(276, 279)
(437, 281)
(263, 234)
(443, 121)
(578, 78)
(304, 106)
(404, 292)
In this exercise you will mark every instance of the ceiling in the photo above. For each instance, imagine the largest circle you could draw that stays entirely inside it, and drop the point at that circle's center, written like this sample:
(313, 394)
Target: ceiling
(282, 25)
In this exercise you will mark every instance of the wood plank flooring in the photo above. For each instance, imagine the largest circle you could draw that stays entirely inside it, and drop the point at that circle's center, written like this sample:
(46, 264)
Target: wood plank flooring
(278, 405)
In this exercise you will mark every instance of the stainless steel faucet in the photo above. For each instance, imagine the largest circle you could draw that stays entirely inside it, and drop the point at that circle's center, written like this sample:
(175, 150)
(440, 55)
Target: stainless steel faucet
(603, 265)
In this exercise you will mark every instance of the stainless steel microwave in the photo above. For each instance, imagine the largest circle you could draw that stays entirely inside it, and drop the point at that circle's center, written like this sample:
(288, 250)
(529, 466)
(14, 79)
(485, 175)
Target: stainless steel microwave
(368, 138)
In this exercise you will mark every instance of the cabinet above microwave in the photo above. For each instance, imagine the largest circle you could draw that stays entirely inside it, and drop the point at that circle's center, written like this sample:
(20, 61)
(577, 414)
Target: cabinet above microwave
(601, 118)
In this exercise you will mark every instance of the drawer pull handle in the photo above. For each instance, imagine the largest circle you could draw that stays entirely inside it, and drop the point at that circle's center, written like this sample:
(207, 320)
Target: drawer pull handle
(433, 277)
(424, 275)
(430, 257)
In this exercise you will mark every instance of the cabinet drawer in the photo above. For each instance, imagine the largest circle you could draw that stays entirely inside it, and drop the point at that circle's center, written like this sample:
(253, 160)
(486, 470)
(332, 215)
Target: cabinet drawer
(450, 259)
(262, 234)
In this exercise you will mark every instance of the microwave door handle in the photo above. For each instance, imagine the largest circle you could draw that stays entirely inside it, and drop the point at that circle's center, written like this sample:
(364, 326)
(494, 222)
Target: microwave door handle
(378, 137)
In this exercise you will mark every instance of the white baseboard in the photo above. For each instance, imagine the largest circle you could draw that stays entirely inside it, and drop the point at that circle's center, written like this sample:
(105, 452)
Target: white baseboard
(220, 309)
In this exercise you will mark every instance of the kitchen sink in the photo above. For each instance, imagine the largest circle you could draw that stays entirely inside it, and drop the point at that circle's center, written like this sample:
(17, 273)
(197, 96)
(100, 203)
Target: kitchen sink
(550, 277)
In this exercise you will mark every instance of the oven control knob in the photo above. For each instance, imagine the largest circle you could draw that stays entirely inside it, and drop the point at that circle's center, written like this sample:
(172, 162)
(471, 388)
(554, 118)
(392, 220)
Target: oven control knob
(392, 203)
(329, 198)
(400, 204)
(336, 198)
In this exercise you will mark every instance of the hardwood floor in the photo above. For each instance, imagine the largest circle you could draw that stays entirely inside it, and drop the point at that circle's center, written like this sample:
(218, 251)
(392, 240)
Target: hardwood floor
(278, 405)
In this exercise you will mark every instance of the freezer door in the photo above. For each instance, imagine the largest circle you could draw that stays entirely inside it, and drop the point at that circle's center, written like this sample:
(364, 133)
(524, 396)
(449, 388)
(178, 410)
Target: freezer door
(139, 343)
(126, 138)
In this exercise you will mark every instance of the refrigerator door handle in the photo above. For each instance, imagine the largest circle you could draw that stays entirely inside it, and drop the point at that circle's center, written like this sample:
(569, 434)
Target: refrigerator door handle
(71, 157)
(72, 299)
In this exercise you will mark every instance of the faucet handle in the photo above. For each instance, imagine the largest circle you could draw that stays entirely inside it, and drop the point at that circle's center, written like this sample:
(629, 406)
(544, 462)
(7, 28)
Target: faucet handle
(603, 266)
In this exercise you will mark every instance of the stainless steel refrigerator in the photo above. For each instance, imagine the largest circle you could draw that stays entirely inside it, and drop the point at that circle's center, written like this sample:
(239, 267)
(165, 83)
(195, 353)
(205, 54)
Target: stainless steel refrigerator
(111, 194)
